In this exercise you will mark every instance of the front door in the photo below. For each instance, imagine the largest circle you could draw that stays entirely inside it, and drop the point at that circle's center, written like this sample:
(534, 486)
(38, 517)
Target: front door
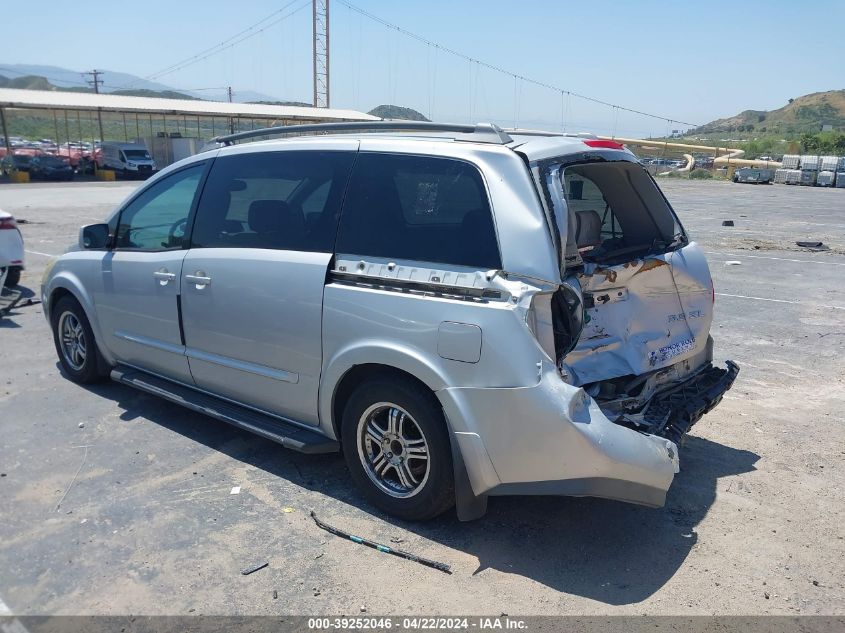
(138, 302)
(252, 283)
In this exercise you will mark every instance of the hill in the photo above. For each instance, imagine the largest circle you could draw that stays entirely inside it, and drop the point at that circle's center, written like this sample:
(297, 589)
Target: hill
(114, 82)
(397, 112)
(35, 82)
(807, 114)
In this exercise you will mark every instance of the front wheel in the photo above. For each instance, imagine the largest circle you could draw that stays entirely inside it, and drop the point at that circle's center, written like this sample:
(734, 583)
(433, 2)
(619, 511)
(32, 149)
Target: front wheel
(74, 340)
(397, 449)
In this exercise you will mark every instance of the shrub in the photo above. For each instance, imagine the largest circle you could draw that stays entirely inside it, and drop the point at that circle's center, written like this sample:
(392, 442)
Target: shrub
(701, 174)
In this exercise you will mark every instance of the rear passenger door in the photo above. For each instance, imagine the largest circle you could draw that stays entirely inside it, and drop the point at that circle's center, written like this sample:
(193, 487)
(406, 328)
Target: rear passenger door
(253, 279)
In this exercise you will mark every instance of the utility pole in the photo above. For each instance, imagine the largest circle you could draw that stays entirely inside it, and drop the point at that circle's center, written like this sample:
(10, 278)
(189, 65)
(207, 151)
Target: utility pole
(96, 81)
(231, 120)
(320, 11)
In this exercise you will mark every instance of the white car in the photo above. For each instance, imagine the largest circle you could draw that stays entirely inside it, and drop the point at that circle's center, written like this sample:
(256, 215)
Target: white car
(11, 250)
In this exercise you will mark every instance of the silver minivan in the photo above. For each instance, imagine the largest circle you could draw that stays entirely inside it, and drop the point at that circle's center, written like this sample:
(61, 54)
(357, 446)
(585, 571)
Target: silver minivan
(461, 311)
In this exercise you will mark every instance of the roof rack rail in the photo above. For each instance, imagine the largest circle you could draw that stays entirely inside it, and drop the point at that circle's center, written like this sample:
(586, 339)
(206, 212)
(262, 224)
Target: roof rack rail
(479, 133)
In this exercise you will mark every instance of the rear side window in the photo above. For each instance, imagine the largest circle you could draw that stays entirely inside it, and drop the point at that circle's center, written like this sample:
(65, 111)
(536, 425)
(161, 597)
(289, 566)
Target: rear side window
(420, 208)
(275, 200)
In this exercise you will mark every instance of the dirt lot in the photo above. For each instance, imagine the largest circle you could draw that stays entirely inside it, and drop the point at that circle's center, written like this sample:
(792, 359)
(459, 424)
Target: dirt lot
(115, 502)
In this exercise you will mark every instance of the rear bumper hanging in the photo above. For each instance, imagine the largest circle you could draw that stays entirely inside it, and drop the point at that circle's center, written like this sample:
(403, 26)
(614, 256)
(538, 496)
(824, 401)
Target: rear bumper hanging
(673, 414)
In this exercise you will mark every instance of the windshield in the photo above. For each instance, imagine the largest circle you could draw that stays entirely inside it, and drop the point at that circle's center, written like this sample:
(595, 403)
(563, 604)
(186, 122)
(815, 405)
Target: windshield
(136, 153)
(617, 212)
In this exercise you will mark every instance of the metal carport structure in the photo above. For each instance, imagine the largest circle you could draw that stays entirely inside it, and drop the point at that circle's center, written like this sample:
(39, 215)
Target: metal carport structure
(157, 116)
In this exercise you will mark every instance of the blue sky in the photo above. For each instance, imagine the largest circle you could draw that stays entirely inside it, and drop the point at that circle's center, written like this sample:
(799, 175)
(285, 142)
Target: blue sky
(689, 61)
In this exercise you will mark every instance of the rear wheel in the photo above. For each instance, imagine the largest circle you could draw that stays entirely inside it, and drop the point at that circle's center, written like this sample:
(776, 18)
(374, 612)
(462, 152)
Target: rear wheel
(75, 344)
(397, 449)
(14, 276)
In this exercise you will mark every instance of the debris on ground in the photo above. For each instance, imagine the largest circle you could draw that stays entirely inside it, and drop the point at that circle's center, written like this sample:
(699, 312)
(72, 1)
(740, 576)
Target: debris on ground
(381, 548)
(733, 262)
(236, 490)
(287, 510)
(813, 246)
(727, 223)
(396, 539)
(81, 425)
(275, 595)
(254, 568)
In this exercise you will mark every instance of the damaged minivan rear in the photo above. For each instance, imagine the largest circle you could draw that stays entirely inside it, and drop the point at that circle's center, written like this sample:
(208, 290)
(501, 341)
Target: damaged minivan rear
(643, 349)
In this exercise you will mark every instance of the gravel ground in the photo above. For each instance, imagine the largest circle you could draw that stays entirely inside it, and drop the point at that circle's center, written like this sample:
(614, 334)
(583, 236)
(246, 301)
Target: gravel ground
(115, 502)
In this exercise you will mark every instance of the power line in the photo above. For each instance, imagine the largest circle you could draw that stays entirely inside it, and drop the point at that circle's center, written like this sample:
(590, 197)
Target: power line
(516, 76)
(247, 33)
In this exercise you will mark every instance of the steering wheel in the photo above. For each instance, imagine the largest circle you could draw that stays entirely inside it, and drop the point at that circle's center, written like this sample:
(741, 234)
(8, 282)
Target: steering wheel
(177, 231)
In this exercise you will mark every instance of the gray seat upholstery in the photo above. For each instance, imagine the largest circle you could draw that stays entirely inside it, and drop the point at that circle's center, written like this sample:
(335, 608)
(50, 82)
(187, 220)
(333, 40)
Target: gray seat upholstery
(272, 224)
(587, 228)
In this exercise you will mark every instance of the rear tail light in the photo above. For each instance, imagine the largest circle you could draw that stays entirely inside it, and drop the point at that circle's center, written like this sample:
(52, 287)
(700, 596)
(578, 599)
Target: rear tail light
(8, 224)
(603, 144)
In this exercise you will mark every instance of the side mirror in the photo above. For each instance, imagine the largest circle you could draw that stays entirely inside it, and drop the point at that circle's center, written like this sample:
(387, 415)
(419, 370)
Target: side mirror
(94, 237)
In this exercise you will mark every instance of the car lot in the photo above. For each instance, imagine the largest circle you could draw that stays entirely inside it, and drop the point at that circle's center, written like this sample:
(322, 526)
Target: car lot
(116, 502)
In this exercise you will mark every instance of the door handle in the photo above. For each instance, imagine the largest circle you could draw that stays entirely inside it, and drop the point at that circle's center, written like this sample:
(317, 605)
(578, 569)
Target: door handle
(199, 279)
(164, 277)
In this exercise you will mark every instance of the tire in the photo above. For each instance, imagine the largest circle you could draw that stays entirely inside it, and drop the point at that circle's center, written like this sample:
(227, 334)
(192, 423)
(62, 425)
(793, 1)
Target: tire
(85, 365)
(14, 276)
(392, 473)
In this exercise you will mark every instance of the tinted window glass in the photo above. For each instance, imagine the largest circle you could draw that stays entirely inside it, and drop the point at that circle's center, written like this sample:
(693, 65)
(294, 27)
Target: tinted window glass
(157, 218)
(279, 200)
(420, 208)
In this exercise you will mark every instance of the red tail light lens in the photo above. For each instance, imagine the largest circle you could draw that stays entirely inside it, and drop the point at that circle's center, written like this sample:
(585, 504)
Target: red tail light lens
(603, 144)
(8, 223)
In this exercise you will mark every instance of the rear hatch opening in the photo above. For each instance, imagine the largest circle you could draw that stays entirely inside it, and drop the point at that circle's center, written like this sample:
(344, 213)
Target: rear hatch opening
(641, 346)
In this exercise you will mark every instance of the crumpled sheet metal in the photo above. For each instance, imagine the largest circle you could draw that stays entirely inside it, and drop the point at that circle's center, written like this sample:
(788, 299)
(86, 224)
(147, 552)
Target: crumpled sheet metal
(648, 314)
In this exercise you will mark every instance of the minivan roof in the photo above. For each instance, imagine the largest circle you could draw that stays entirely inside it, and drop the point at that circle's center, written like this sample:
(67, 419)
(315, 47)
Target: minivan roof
(535, 145)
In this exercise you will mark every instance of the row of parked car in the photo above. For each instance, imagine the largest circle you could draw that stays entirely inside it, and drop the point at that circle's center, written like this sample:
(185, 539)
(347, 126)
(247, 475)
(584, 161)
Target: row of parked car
(46, 160)
(40, 166)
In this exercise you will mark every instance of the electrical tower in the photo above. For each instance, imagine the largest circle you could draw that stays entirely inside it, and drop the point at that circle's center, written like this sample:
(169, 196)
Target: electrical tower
(321, 53)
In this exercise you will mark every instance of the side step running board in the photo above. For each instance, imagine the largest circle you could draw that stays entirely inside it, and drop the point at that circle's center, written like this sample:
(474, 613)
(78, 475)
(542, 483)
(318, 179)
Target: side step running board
(287, 434)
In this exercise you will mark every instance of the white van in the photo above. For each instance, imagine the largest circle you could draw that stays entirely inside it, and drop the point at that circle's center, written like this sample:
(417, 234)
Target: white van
(130, 159)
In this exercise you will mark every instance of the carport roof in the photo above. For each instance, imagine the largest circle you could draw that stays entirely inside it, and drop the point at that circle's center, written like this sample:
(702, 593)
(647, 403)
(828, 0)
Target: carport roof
(56, 100)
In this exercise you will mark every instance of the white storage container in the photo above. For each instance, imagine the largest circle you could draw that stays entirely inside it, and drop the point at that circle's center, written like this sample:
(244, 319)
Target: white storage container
(809, 161)
(829, 163)
(840, 179)
(793, 176)
(791, 161)
(780, 176)
(826, 178)
(808, 177)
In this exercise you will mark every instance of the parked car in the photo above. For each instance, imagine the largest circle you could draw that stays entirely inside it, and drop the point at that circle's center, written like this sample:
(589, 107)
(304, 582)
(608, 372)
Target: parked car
(129, 159)
(460, 311)
(50, 168)
(11, 250)
(15, 162)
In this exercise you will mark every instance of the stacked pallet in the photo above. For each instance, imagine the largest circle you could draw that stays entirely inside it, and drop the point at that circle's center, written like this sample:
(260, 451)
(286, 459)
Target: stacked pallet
(791, 161)
(809, 169)
(826, 178)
